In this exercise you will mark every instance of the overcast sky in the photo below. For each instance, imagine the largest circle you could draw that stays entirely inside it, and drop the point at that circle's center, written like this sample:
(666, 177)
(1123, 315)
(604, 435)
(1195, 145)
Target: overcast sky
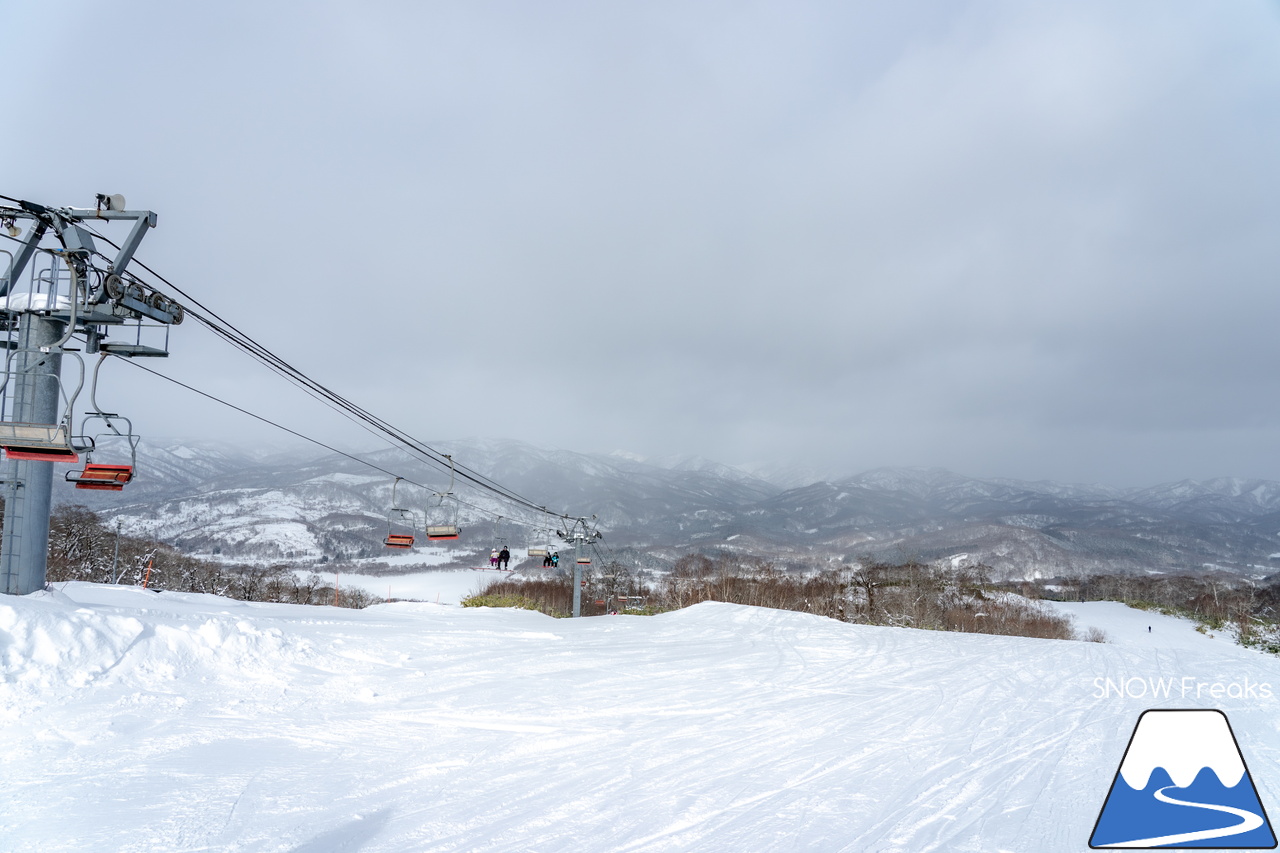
(1022, 239)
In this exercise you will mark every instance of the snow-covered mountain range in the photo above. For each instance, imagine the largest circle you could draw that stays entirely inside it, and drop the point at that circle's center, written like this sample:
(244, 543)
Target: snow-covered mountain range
(293, 506)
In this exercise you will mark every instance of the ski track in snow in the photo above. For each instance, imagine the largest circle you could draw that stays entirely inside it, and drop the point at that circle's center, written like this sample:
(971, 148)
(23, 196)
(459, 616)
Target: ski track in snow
(136, 721)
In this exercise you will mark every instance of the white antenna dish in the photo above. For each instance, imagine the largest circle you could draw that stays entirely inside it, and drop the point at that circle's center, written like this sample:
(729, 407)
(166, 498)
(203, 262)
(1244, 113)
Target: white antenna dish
(115, 202)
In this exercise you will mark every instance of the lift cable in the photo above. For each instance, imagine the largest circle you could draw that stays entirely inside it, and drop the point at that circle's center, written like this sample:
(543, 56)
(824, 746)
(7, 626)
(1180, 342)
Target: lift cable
(314, 441)
(228, 332)
(367, 420)
(247, 344)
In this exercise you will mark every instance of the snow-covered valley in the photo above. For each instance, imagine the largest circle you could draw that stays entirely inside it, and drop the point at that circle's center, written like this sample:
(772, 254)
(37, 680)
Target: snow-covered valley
(218, 502)
(143, 721)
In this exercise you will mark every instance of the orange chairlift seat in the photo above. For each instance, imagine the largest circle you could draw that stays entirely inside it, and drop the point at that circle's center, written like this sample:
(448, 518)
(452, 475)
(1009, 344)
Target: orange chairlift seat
(393, 539)
(111, 478)
(398, 540)
(104, 476)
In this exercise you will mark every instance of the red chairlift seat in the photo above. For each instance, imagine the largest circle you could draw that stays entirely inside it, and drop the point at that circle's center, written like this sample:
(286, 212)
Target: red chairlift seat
(110, 478)
(398, 540)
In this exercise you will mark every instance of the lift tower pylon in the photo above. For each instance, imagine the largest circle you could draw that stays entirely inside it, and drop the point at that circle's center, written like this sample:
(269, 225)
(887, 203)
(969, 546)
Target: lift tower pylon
(80, 293)
(580, 534)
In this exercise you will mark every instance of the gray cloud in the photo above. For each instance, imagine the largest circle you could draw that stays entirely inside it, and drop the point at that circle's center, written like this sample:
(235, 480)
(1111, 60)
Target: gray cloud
(1015, 239)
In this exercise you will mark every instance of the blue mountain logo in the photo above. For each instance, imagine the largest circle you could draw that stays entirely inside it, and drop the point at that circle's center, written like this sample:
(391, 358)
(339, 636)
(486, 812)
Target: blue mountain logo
(1183, 783)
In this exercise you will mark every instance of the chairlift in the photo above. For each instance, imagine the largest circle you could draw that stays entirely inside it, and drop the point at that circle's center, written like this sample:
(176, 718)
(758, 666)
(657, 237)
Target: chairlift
(37, 442)
(110, 478)
(99, 475)
(543, 538)
(42, 442)
(543, 549)
(399, 516)
(448, 529)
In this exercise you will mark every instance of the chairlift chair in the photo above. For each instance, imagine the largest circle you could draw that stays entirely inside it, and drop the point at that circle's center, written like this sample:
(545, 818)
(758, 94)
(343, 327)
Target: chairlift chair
(543, 536)
(398, 539)
(442, 531)
(37, 442)
(449, 529)
(103, 476)
(109, 478)
(40, 442)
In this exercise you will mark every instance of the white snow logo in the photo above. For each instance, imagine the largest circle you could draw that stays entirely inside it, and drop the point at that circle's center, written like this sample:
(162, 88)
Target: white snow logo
(1183, 783)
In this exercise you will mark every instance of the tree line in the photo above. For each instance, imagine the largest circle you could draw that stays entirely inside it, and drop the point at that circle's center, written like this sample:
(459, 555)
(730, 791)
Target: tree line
(83, 548)
(909, 594)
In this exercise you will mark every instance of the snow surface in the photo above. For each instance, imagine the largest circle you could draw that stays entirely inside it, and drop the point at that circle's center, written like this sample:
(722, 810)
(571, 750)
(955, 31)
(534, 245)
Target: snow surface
(143, 721)
(1143, 628)
(424, 555)
(28, 301)
(440, 587)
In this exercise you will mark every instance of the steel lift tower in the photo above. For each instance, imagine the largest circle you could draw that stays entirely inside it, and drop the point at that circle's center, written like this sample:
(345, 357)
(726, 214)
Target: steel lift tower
(580, 534)
(72, 297)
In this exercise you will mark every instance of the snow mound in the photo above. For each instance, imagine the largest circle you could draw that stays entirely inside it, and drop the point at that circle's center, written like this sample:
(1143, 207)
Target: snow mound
(136, 720)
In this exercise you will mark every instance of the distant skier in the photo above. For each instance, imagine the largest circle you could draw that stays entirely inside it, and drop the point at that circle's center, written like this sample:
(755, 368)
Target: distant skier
(546, 561)
(493, 558)
(504, 559)
(555, 559)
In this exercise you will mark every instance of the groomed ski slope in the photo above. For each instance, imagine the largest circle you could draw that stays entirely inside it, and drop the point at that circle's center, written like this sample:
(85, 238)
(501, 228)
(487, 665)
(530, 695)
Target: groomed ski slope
(142, 721)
